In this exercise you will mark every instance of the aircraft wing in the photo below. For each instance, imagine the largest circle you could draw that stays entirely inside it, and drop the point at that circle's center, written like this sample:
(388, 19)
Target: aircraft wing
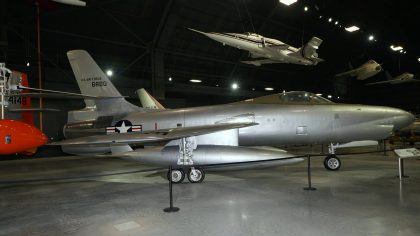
(348, 73)
(281, 47)
(260, 62)
(154, 136)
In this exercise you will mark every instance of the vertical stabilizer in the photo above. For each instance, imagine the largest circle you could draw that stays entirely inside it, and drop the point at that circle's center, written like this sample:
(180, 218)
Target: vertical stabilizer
(147, 101)
(93, 81)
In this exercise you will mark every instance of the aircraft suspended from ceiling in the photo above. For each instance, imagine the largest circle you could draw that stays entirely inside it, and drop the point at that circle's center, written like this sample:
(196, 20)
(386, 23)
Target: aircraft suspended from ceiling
(263, 50)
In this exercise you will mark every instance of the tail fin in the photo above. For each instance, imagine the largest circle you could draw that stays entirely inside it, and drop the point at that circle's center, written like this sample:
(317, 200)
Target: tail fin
(18, 106)
(147, 101)
(93, 81)
(309, 50)
(388, 75)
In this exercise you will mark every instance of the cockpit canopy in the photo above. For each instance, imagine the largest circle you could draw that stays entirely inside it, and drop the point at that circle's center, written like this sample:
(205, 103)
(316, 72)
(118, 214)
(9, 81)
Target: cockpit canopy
(293, 97)
(252, 34)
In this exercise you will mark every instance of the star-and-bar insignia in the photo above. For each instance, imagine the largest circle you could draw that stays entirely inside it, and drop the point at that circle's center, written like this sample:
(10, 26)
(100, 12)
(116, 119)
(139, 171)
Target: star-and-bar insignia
(123, 126)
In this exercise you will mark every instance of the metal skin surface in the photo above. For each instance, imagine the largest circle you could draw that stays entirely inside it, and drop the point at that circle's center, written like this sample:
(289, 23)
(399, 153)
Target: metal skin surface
(365, 71)
(278, 119)
(229, 157)
(278, 122)
(22, 137)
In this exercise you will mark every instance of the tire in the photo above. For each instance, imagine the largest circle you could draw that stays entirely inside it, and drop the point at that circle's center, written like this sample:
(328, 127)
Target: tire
(332, 162)
(196, 175)
(178, 175)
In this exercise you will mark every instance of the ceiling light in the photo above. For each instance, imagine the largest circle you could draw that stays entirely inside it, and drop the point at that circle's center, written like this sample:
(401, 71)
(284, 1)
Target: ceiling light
(28, 64)
(235, 86)
(109, 72)
(269, 89)
(306, 8)
(217, 85)
(170, 78)
(338, 97)
(418, 59)
(396, 48)
(253, 89)
(320, 17)
(329, 19)
(329, 96)
(336, 23)
(371, 37)
(352, 28)
(319, 94)
(288, 2)
(195, 81)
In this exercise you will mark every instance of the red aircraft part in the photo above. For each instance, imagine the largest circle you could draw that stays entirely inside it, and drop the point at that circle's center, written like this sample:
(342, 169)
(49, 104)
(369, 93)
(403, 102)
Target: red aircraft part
(18, 137)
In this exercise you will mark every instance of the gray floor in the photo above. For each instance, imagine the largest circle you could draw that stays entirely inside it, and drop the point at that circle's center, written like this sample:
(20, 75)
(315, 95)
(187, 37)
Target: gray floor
(101, 196)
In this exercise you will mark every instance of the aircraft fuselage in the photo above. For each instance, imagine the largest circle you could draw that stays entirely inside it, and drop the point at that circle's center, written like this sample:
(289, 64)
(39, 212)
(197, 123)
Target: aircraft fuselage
(286, 124)
(261, 46)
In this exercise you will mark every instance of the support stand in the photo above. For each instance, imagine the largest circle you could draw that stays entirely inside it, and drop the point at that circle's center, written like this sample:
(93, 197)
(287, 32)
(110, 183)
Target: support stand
(309, 176)
(171, 207)
(401, 169)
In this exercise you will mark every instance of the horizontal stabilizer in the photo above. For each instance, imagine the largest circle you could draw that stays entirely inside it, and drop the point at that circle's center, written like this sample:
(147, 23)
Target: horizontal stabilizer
(154, 136)
(47, 93)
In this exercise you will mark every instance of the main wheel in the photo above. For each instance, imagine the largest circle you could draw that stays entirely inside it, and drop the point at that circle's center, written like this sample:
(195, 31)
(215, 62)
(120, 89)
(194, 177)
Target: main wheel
(177, 176)
(196, 175)
(332, 162)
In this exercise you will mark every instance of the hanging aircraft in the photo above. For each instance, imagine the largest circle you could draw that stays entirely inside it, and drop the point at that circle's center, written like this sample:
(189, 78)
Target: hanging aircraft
(231, 133)
(365, 71)
(263, 50)
(400, 79)
(71, 2)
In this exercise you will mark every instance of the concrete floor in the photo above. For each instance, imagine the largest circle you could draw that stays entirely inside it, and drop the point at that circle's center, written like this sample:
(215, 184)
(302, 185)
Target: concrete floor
(103, 196)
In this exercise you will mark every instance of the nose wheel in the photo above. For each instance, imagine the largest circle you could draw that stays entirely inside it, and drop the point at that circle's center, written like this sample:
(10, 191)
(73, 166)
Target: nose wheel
(332, 162)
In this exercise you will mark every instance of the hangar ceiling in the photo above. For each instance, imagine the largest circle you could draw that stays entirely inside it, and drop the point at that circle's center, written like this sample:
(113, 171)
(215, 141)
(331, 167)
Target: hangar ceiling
(146, 42)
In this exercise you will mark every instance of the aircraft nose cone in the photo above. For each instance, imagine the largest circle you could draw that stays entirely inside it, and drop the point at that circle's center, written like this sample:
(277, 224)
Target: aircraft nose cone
(402, 119)
(43, 139)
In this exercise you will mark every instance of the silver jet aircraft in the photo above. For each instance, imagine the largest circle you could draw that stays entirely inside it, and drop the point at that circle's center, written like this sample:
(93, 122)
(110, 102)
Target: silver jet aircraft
(242, 132)
(263, 50)
(400, 79)
(365, 71)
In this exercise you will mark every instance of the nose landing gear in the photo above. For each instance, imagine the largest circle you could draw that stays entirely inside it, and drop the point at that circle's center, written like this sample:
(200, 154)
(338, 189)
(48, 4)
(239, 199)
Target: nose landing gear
(332, 162)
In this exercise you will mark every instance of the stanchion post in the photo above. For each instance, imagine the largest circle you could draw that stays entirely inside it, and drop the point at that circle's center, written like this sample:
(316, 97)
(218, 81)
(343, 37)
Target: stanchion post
(171, 207)
(401, 169)
(309, 176)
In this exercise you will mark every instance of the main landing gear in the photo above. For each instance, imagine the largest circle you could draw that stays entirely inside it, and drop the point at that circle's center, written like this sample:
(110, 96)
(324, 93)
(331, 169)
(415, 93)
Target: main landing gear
(194, 175)
(332, 162)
